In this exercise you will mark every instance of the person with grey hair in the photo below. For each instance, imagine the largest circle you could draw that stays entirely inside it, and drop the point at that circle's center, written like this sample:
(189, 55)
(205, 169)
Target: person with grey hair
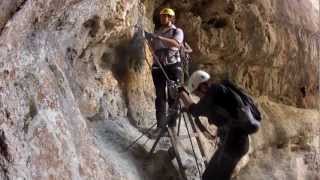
(231, 111)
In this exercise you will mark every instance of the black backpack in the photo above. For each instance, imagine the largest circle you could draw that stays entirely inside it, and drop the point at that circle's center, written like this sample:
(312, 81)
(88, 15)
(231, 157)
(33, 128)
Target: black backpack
(248, 115)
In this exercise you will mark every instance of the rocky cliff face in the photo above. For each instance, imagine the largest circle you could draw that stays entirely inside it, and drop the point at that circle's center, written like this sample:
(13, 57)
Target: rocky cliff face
(259, 44)
(76, 87)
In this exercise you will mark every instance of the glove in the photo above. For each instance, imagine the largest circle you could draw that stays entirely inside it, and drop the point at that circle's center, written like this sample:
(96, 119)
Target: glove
(150, 36)
(183, 89)
(154, 36)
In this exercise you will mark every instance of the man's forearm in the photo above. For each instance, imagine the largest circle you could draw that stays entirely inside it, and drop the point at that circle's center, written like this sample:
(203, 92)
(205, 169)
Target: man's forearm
(170, 42)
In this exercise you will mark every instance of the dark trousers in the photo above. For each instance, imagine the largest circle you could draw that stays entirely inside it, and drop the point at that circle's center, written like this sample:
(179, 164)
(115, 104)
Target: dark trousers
(174, 73)
(229, 153)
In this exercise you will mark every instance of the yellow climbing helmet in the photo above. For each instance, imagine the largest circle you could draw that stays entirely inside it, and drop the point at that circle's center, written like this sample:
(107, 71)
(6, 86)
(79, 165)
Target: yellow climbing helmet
(167, 11)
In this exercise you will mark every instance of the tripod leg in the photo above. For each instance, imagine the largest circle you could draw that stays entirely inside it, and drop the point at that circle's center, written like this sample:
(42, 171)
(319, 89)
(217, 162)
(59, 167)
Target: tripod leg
(199, 142)
(177, 154)
(194, 153)
(163, 130)
(179, 124)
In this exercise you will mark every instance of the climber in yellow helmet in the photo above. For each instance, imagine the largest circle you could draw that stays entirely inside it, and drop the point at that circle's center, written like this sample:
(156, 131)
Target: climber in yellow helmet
(166, 42)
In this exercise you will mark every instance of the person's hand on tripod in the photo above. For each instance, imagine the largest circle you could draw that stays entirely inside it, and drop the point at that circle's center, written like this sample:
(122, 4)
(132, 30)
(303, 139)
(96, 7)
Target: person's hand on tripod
(182, 89)
(150, 36)
(184, 95)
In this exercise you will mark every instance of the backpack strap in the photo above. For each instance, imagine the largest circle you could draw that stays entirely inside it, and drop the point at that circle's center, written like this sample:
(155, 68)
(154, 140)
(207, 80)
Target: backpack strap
(174, 31)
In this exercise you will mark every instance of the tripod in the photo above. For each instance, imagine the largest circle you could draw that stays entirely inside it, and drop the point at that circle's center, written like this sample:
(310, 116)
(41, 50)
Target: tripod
(175, 137)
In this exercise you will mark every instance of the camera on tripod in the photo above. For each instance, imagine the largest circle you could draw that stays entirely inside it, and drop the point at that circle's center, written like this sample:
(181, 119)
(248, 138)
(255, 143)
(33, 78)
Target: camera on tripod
(149, 36)
(173, 89)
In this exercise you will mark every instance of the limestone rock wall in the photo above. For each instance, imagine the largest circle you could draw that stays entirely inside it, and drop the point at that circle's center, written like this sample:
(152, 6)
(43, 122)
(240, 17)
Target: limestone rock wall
(63, 65)
(267, 46)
